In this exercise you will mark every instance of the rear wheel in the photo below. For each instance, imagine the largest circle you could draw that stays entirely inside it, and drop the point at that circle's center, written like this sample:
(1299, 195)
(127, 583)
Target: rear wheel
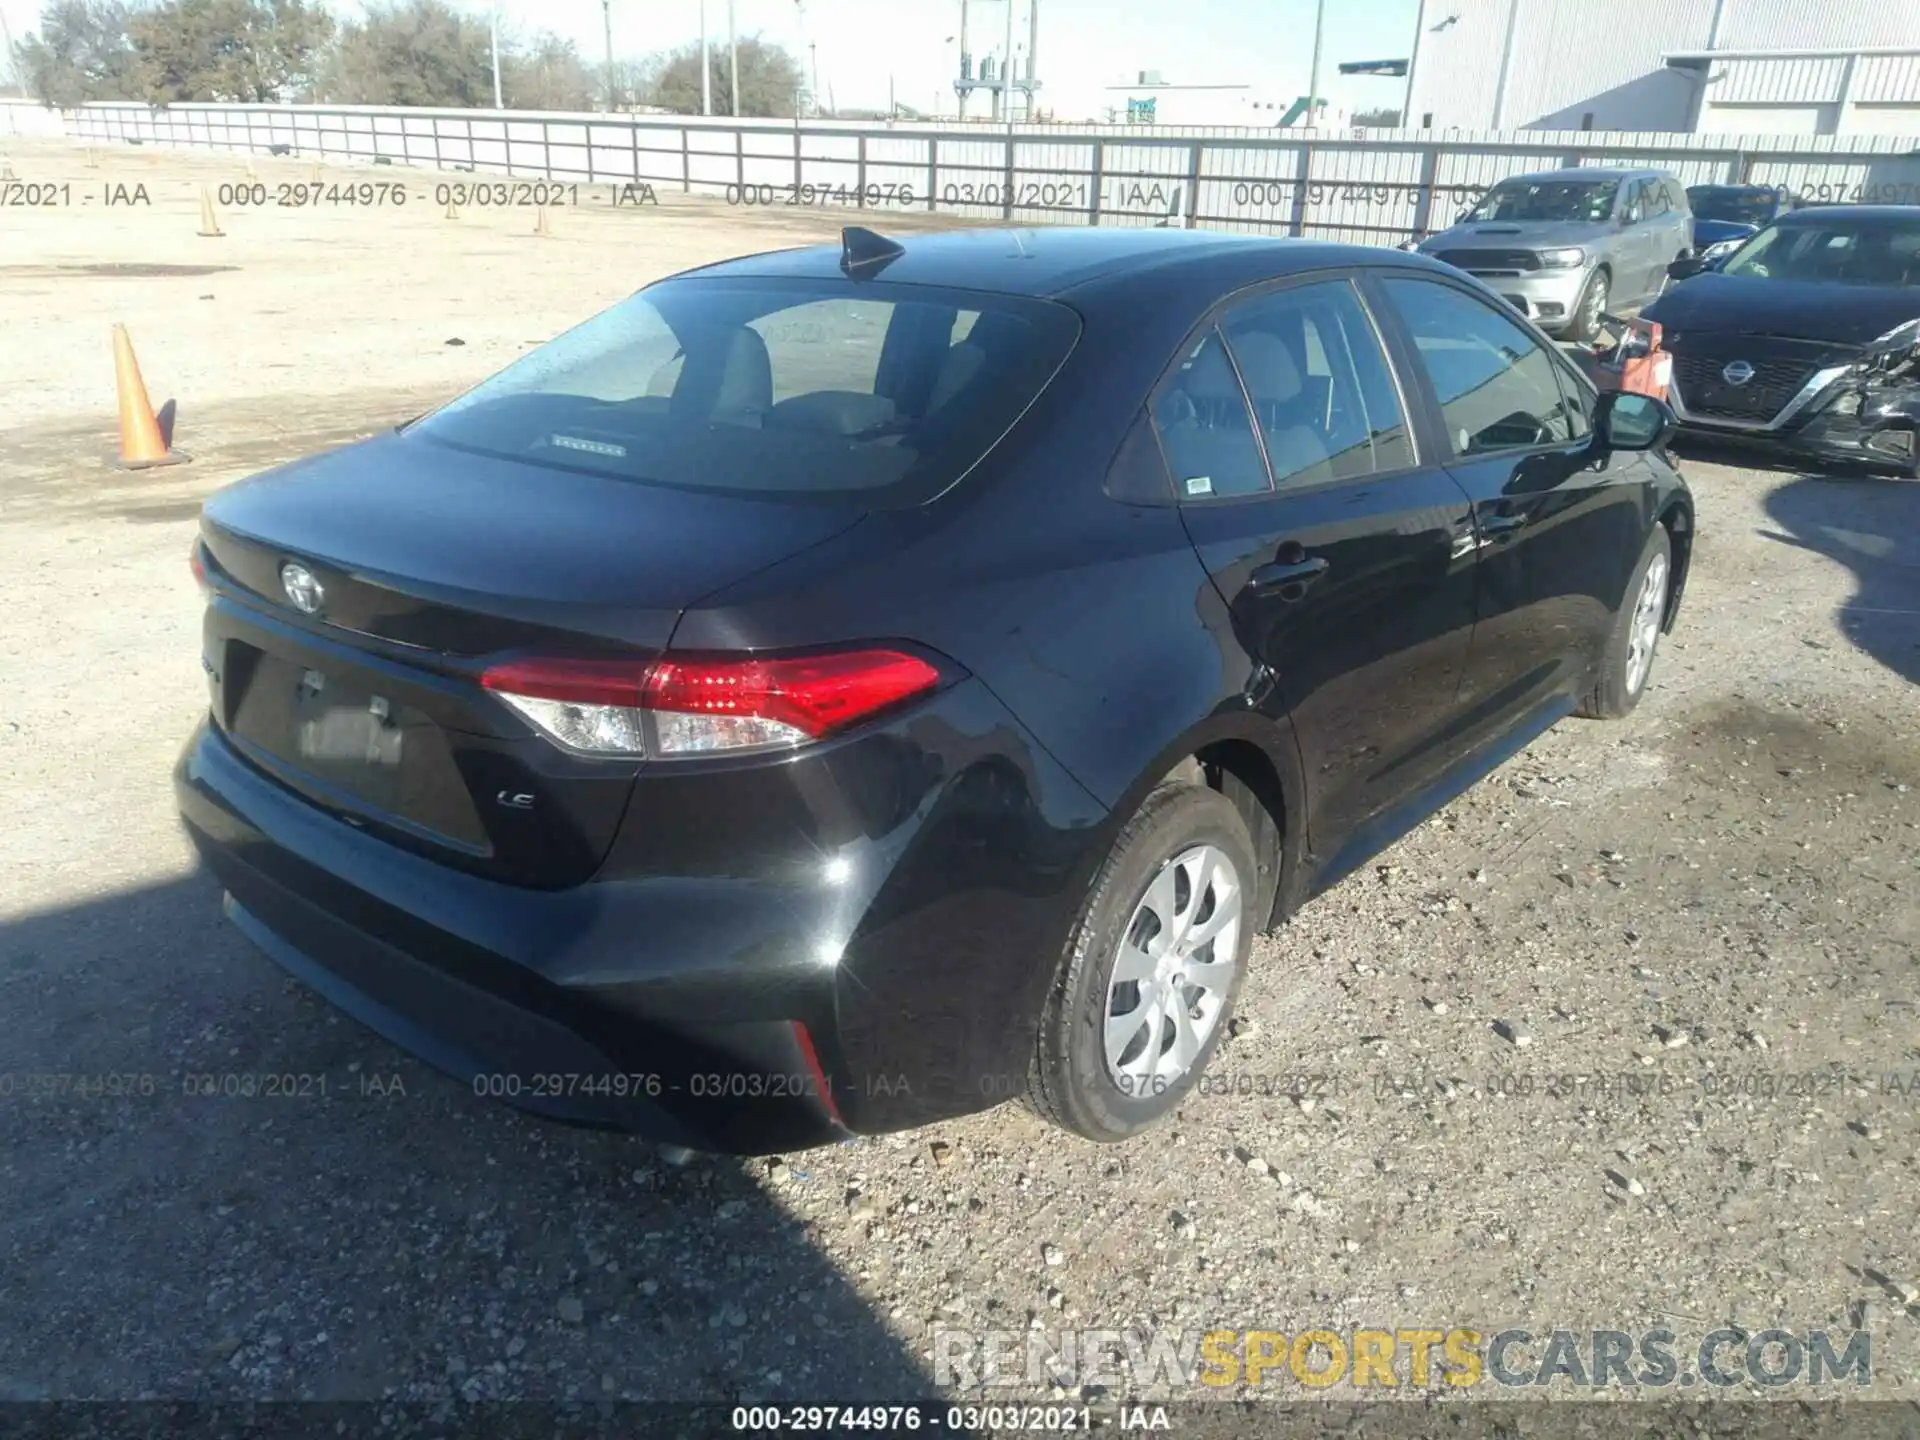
(1591, 306)
(1636, 633)
(1150, 974)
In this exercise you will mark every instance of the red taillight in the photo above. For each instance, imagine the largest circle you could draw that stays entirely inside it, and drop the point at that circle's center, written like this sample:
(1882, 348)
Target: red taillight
(817, 694)
(199, 564)
(707, 704)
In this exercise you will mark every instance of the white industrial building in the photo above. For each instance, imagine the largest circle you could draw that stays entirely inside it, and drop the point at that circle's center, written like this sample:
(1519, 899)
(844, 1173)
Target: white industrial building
(1777, 67)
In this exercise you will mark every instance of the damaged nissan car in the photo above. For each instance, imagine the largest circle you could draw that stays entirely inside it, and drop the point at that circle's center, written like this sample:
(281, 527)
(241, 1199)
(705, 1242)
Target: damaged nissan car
(1805, 341)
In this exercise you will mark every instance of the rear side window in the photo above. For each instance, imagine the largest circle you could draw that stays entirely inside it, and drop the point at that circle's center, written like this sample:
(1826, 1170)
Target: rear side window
(825, 390)
(1320, 385)
(1496, 386)
(1205, 428)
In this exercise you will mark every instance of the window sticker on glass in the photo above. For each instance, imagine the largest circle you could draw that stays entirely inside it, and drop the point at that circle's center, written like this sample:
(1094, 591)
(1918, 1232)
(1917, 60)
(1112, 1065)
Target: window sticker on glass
(1200, 485)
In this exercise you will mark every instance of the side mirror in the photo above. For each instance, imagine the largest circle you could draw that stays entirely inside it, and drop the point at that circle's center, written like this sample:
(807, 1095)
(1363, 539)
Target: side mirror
(1685, 266)
(1624, 420)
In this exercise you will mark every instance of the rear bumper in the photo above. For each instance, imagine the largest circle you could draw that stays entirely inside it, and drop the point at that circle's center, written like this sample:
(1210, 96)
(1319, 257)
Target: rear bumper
(709, 1011)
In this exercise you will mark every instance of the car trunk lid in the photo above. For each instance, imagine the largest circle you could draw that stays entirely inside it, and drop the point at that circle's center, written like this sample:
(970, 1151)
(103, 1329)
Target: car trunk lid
(360, 594)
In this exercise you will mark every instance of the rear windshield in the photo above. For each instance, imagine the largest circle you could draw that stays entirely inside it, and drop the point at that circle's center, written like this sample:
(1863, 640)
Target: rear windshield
(809, 389)
(1737, 206)
(1839, 250)
(1547, 200)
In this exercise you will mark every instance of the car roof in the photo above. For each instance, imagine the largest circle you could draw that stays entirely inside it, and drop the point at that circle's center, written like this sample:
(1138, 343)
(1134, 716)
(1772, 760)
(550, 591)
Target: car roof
(1816, 213)
(1586, 172)
(1050, 261)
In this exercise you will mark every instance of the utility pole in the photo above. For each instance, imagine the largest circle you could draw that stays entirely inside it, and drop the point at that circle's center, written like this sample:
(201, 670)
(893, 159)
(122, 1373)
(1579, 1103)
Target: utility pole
(9, 66)
(706, 65)
(733, 60)
(813, 63)
(1313, 74)
(606, 20)
(1413, 66)
(495, 26)
(1006, 70)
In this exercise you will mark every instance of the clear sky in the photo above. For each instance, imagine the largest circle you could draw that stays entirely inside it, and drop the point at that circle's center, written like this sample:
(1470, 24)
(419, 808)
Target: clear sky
(1085, 45)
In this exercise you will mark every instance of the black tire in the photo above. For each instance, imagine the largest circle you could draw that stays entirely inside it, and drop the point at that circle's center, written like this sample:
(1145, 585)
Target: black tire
(1585, 325)
(1069, 1083)
(1617, 691)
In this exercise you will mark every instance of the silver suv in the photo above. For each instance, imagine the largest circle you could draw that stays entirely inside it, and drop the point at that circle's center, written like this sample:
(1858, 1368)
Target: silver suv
(1566, 246)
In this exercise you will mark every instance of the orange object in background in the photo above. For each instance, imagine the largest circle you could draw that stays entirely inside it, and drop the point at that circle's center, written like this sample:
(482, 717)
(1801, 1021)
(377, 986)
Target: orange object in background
(143, 444)
(1638, 364)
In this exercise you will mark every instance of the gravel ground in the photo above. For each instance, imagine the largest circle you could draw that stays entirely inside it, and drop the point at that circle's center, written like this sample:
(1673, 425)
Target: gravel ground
(1718, 893)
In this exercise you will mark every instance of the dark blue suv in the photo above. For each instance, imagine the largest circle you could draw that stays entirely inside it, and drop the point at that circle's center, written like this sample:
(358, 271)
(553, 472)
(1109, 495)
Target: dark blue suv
(1733, 212)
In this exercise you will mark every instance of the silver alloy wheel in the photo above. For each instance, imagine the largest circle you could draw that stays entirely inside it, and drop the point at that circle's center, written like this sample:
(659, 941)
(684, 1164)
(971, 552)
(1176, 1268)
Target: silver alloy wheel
(1597, 292)
(1174, 971)
(1644, 633)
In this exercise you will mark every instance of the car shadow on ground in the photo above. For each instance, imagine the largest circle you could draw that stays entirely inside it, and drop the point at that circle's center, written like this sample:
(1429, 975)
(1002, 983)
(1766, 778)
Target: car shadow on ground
(1872, 526)
(1869, 523)
(219, 1188)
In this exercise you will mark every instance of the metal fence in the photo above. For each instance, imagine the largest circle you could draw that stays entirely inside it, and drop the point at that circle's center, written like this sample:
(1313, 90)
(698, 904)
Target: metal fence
(1373, 190)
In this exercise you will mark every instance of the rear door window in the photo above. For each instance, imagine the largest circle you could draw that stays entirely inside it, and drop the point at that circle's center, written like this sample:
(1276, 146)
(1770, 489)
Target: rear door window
(1205, 428)
(811, 389)
(1321, 389)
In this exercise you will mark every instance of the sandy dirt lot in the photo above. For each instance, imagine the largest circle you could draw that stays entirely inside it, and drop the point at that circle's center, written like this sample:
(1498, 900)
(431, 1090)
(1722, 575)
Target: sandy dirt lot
(1704, 921)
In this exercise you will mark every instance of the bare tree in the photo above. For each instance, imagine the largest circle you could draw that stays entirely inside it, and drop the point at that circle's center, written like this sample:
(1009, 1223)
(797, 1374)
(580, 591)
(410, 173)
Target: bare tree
(770, 81)
(416, 52)
(548, 74)
(248, 51)
(82, 53)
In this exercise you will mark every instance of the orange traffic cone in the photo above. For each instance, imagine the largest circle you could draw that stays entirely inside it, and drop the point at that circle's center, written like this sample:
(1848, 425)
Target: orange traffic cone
(143, 444)
(209, 222)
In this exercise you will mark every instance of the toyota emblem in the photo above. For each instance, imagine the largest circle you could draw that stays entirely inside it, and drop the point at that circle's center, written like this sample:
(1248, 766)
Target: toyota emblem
(301, 587)
(1738, 373)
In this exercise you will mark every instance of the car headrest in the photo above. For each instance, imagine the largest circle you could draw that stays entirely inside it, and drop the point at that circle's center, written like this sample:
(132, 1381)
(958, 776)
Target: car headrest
(957, 370)
(726, 376)
(746, 380)
(1268, 367)
(1210, 378)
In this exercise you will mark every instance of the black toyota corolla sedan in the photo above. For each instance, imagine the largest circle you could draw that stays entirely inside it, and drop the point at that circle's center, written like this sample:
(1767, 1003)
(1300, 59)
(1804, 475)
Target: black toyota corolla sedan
(1805, 341)
(839, 689)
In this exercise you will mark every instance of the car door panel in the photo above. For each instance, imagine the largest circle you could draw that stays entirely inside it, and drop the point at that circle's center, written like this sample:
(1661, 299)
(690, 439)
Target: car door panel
(1633, 250)
(1552, 518)
(1349, 586)
(1355, 600)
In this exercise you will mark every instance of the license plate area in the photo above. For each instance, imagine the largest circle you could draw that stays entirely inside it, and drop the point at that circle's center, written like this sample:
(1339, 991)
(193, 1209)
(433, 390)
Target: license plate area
(353, 744)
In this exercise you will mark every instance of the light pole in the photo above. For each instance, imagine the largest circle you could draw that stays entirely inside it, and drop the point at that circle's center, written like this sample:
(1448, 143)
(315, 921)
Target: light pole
(1313, 73)
(706, 65)
(733, 60)
(494, 28)
(606, 20)
(1006, 71)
